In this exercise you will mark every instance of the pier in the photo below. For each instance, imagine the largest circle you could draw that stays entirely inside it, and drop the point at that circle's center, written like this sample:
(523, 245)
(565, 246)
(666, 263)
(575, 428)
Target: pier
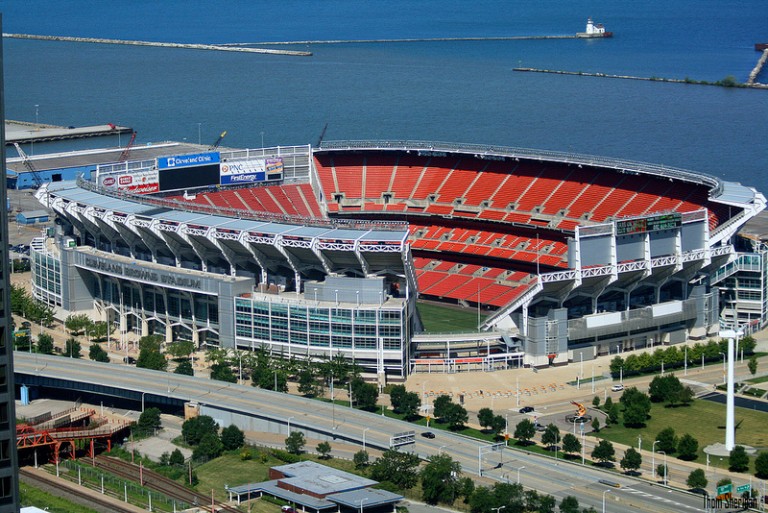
(400, 40)
(752, 80)
(188, 46)
(21, 132)
(724, 83)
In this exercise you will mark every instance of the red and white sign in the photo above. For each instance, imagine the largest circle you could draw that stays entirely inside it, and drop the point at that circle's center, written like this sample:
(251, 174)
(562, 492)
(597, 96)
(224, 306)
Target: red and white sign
(137, 182)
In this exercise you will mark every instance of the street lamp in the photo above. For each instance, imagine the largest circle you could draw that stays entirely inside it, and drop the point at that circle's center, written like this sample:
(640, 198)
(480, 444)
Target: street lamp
(361, 503)
(653, 458)
(289, 425)
(604, 493)
(518, 474)
(364, 430)
(498, 509)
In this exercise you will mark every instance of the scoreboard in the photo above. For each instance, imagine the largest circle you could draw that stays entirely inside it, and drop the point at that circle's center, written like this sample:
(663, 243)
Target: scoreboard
(648, 224)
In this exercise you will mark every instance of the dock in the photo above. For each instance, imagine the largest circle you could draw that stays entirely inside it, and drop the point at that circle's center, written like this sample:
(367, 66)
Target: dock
(187, 46)
(22, 132)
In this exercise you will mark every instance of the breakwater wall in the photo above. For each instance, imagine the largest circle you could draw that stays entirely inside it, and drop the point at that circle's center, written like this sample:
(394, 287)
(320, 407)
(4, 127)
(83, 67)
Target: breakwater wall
(187, 46)
(400, 40)
(722, 83)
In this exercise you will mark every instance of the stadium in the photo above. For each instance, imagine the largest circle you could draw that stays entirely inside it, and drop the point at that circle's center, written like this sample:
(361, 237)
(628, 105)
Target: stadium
(318, 252)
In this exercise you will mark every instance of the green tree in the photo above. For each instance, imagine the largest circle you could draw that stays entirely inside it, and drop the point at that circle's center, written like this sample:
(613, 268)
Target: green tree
(667, 440)
(608, 404)
(748, 344)
(210, 447)
(525, 431)
(482, 500)
(738, 461)
(149, 420)
(184, 368)
(617, 363)
(232, 437)
(398, 468)
(410, 405)
(360, 459)
(485, 417)
(604, 452)
(761, 465)
(551, 436)
(466, 488)
(697, 479)
(150, 356)
(97, 353)
(364, 394)
(193, 430)
(662, 471)
(752, 365)
(307, 383)
(396, 394)
(613, 414)
(456, 416)
(631, 460)
(687, 447)
(295, 442)
(596, 425)
(72, 348)
(100, 330)
(596, 404)
(44, 343)
(571, 444)
(324, 450)
(439, 481)
(176, 457)
(76, 323)
(637, 407)
(441, 405)
(223, 372)
(498, 424)
(569, 504)
(181, 349)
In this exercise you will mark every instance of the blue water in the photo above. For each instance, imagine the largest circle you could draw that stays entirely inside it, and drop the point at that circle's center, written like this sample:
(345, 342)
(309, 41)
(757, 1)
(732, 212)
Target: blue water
(450, 91)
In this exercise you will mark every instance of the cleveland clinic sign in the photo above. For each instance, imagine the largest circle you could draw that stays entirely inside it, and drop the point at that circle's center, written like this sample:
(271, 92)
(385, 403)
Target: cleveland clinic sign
(140, 274)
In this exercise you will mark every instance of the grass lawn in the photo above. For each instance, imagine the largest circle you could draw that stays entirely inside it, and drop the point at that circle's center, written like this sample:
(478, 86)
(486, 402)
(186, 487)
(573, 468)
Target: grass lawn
(755, 381)
(704, 420)
(443, 319)
(34, 496)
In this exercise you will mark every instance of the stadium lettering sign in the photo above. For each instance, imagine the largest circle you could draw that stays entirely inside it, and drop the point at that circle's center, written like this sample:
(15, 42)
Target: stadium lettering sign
(145, 275)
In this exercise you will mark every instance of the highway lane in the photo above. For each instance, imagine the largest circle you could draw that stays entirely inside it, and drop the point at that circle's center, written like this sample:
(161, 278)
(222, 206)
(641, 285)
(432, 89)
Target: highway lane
(557, 478)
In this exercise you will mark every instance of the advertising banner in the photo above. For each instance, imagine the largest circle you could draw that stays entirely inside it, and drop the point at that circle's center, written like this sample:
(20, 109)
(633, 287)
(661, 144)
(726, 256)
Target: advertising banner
(137, 182)
(250, 171)
(199, 159)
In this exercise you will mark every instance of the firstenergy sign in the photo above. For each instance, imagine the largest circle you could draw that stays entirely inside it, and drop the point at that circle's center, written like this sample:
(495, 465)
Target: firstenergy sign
(249, 171)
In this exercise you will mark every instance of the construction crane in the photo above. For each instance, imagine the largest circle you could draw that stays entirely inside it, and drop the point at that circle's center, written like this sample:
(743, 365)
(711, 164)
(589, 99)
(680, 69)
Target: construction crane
(218, 141)
(28, 164)
(322, 136)
(127, 150)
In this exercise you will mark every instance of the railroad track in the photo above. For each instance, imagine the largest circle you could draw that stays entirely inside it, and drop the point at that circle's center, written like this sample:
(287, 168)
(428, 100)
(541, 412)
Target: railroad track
(160, 483)
(61, 488)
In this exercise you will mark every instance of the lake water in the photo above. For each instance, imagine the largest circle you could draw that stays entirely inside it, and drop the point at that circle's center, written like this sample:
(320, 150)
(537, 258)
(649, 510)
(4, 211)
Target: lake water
(447, 91)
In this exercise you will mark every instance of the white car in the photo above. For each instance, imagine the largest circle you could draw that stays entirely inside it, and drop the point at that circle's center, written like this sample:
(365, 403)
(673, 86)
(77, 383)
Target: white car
(617, 388)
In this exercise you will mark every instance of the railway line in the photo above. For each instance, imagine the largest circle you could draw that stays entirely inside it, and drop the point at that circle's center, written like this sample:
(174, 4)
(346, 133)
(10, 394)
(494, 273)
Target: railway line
(159, 483)
(62, 488)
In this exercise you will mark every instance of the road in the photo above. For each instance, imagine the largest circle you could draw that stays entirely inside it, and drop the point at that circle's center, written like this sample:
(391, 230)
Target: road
(558, 478)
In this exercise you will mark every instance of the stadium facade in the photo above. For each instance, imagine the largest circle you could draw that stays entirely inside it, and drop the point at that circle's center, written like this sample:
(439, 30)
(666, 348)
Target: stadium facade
(314, 252)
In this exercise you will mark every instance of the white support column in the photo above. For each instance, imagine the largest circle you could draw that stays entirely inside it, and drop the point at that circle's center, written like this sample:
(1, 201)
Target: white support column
(730, 424)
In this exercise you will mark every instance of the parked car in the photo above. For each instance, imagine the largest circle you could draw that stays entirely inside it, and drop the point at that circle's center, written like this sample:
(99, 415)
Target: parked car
(129, 360)
(428, 434)
(526, 409)
(617, 388)
(287, 509)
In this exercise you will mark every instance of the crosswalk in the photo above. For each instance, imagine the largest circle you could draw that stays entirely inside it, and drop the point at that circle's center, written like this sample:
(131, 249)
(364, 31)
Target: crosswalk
(680, 505)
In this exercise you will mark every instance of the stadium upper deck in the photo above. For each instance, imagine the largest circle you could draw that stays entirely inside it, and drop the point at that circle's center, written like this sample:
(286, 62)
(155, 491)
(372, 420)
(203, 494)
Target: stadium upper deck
(531, 235)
